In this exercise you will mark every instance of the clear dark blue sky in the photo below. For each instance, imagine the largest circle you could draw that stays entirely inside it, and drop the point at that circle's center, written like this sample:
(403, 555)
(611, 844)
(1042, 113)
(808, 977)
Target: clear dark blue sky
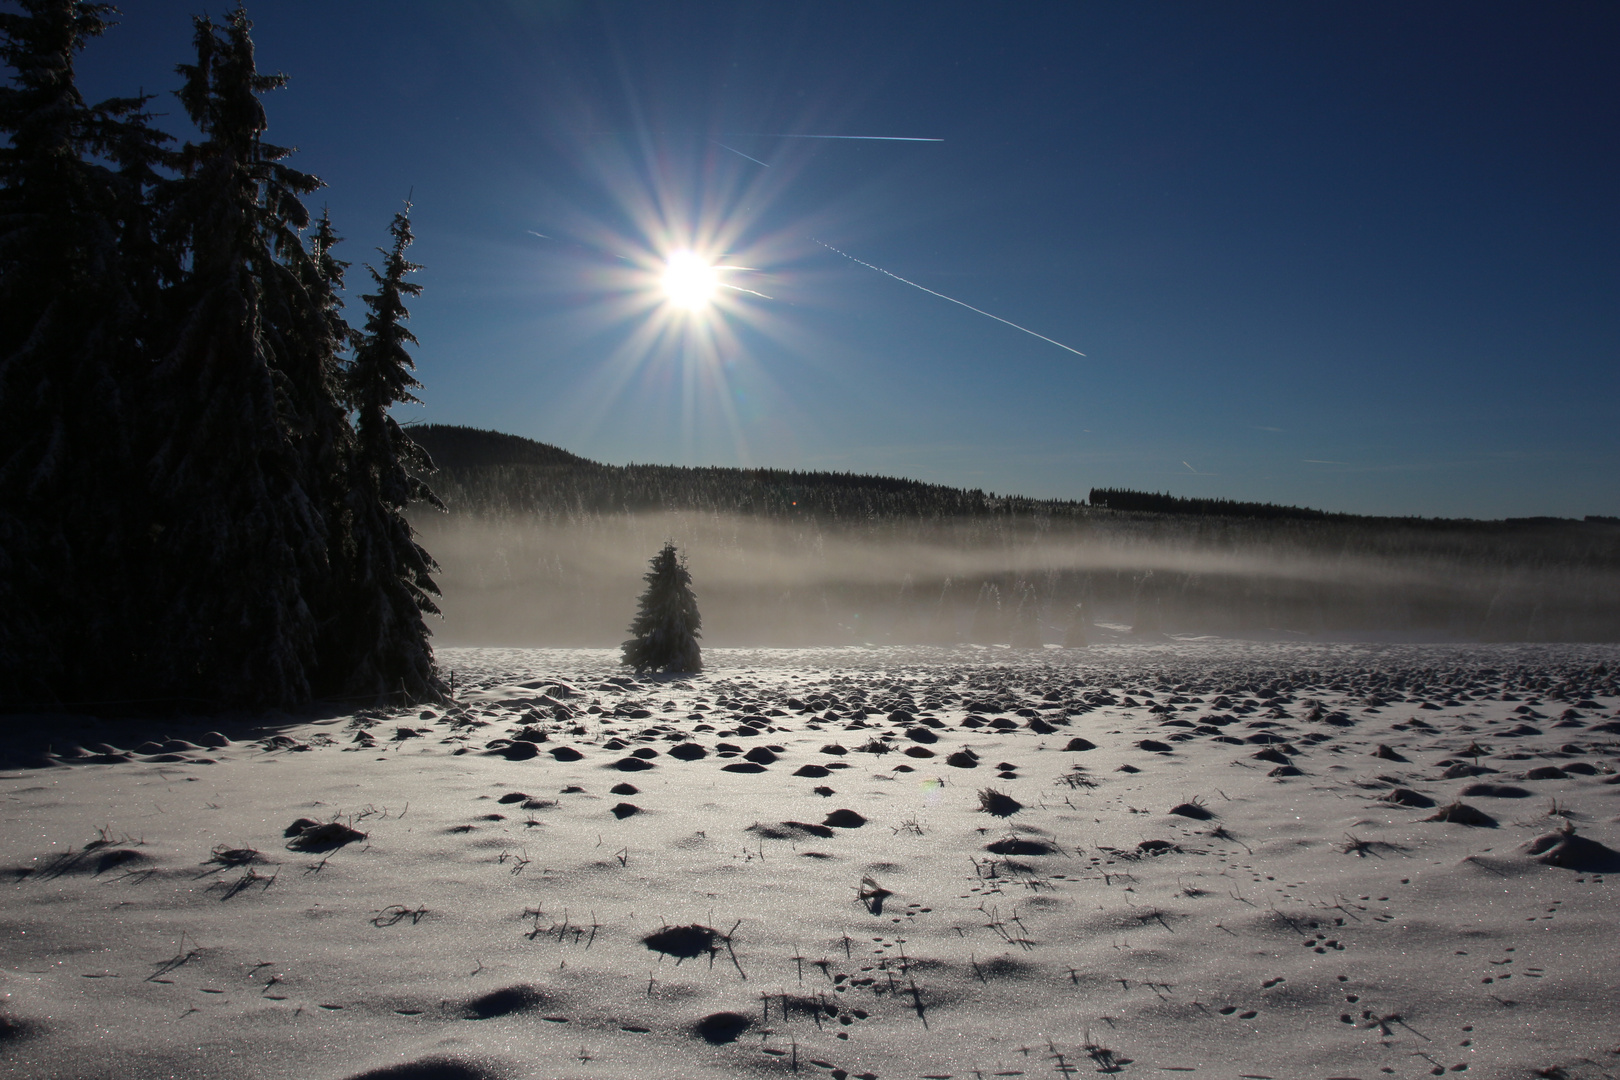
(1358, 256)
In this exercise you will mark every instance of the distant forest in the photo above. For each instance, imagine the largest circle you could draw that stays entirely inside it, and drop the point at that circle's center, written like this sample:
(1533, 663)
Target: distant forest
(1125, 499)
(1149, 502)
(543, 547)
(201, 487)
(490, 472)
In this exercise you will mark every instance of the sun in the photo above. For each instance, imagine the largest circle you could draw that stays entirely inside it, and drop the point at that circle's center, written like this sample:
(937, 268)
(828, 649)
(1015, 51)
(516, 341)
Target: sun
(689, 281)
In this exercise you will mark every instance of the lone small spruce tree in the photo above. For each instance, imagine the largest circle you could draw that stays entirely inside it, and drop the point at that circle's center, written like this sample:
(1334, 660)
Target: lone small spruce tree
(666, 627)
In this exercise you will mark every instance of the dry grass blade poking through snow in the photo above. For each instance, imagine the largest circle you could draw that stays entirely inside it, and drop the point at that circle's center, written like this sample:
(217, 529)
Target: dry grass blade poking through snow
(871, 895)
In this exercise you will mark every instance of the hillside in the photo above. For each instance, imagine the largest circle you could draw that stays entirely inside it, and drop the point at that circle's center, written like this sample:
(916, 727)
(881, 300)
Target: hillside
(490, 472)
(458, 449)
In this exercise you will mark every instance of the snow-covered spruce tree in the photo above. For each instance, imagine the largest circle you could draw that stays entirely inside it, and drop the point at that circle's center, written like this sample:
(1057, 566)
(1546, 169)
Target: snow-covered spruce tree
(665, 629)
(313, 361)
(384, 572)
(70, 488)
(239, 537)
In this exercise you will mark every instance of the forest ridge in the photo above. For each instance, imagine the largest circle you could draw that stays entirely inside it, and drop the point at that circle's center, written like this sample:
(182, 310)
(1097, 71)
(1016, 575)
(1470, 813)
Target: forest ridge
(491, 471)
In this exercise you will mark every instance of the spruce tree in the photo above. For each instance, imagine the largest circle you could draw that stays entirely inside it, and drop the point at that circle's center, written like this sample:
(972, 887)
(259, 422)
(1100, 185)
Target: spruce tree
(70, 175)
(238, 535)
(665, 629)
(385, 574)
(325, 438)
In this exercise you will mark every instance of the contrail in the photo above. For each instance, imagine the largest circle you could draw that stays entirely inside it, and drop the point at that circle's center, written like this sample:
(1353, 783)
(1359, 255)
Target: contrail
(579, 246)
(862, 138)
(739, 153)
(746, 269)
(953, 300)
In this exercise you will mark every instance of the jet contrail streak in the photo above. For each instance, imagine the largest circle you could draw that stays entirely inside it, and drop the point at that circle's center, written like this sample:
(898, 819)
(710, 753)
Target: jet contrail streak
(739, 153)
(953, 300)
(861, 138)
(739, 288)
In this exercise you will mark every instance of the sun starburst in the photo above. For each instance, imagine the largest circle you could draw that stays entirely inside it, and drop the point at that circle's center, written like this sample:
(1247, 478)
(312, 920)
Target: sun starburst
(689, 281)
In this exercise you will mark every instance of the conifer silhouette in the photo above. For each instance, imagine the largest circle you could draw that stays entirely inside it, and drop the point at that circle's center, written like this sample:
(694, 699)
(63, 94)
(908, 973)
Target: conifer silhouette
(186, 510)
(72, 176)
(311, 360)
(384, 639)
(665, 630)
(240, 537)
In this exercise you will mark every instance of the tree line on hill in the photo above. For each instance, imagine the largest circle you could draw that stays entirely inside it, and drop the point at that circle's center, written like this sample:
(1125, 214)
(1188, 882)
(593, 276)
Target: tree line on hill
(202, 491)
(490, 472)
(1163, 503)
(1147, 501)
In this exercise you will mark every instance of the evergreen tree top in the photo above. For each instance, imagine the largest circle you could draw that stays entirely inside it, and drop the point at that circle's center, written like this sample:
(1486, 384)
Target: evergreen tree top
(325, 283)
(227, 61)
(327, 265)
(383, 364)
(221, 95)
(39, 44)
(43, 114)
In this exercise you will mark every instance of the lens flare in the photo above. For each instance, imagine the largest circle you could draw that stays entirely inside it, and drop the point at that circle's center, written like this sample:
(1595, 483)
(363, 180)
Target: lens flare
(689, 281)
(682, 299)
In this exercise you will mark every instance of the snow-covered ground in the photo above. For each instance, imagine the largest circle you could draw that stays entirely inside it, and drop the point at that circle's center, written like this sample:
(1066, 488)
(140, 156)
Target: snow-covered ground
(1199, 858)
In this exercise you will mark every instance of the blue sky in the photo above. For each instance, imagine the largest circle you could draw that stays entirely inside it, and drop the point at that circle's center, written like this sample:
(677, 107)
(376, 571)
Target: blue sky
(1363, 257)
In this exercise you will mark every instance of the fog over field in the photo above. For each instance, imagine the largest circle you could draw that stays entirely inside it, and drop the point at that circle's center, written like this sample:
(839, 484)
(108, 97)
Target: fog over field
(554, 578)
